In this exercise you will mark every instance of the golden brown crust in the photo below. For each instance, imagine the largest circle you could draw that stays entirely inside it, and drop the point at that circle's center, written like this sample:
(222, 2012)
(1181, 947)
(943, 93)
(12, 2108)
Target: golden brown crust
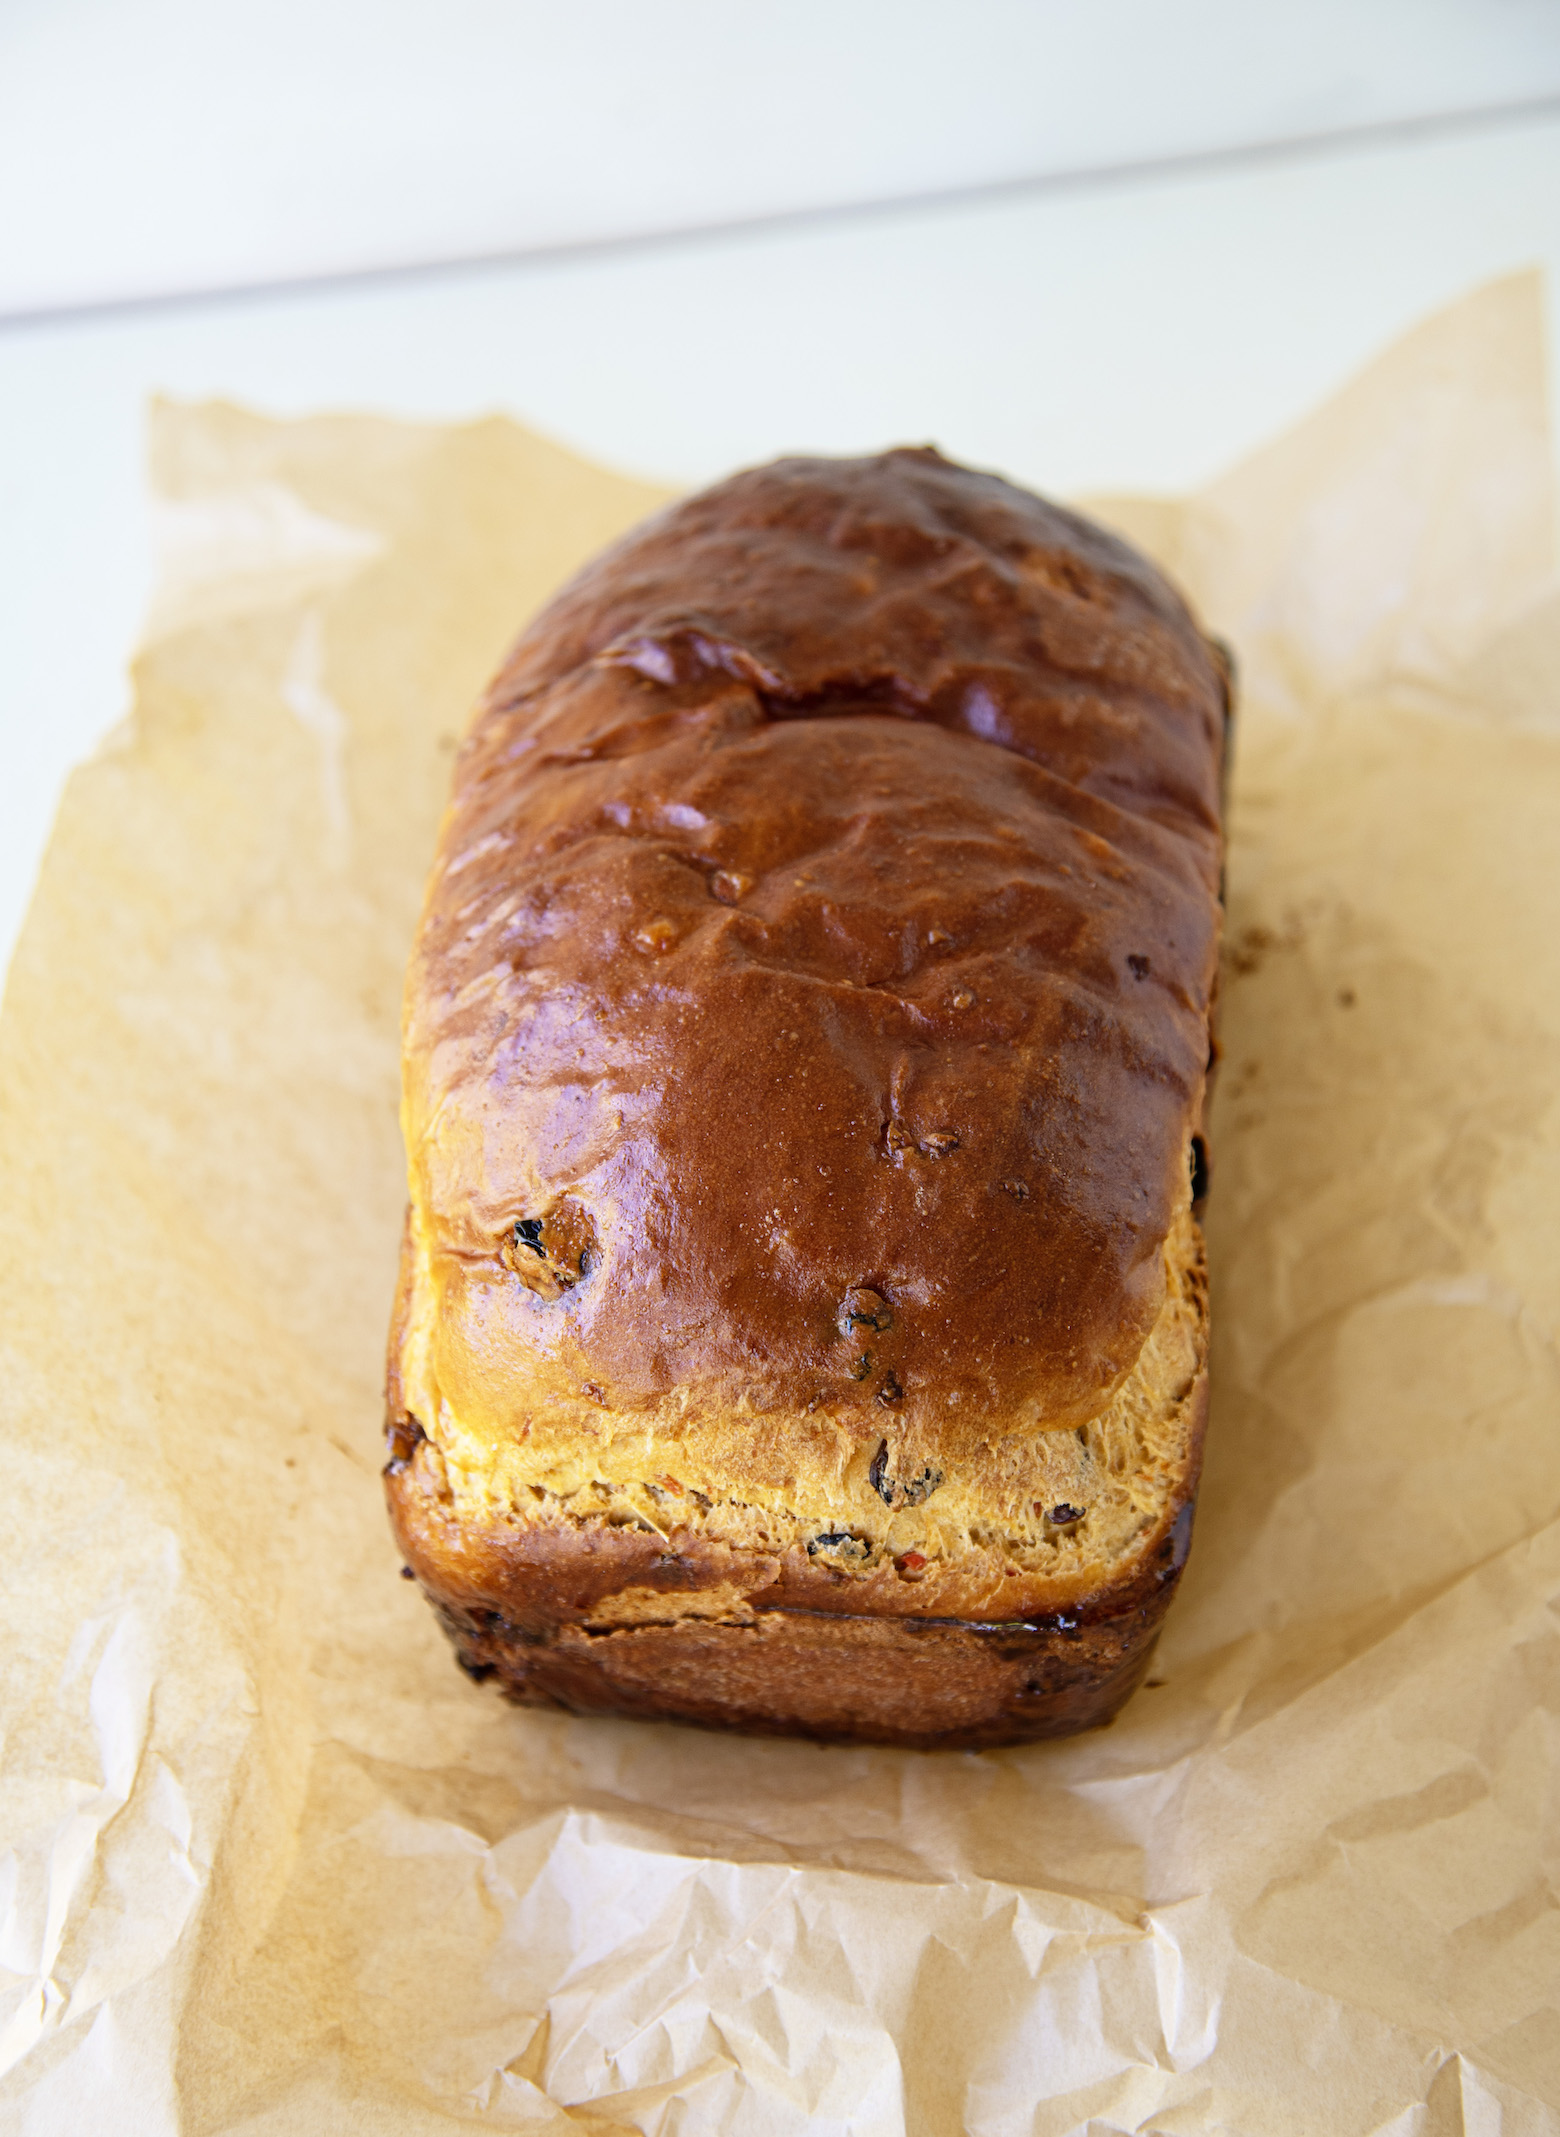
(805, 1040)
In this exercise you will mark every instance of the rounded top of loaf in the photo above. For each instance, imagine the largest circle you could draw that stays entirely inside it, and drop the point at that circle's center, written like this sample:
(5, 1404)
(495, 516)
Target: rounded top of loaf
(810, 1007)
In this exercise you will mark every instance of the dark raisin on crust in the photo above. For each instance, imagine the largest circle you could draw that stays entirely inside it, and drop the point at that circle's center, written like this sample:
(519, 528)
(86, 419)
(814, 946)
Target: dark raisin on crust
(403, 1437)
(550, 1254)
(901, 1491)
(875, 1475)
(839, 1543)
(864, 1308)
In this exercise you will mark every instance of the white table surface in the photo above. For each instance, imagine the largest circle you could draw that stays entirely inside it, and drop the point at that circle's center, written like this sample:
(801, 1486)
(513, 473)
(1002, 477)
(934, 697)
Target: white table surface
(181, 144)
(1137, 334)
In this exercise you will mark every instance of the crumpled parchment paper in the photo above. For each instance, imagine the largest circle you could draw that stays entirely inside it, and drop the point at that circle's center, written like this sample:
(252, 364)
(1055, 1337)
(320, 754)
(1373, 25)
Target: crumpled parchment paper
(271, 1865)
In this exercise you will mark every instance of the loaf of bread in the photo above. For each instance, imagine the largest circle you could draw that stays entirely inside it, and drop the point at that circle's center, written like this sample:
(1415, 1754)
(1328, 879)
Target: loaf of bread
(803, 1318)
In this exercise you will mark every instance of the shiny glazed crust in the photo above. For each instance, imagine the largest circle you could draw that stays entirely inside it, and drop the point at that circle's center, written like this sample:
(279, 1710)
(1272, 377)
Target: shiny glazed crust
(803, 1320)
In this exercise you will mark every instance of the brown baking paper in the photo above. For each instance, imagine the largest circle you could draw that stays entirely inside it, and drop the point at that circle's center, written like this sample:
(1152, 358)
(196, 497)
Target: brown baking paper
(272, 1865)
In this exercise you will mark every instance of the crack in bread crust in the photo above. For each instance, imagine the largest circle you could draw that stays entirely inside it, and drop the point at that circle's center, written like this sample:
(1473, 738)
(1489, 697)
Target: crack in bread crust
(1031, 1526)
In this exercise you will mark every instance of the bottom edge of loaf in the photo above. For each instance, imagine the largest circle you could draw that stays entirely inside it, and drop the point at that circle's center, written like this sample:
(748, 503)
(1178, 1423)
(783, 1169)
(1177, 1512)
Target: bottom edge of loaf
(921, 1684)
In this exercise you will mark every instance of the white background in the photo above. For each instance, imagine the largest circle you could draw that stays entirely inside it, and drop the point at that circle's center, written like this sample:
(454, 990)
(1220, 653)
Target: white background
(1132, 238)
